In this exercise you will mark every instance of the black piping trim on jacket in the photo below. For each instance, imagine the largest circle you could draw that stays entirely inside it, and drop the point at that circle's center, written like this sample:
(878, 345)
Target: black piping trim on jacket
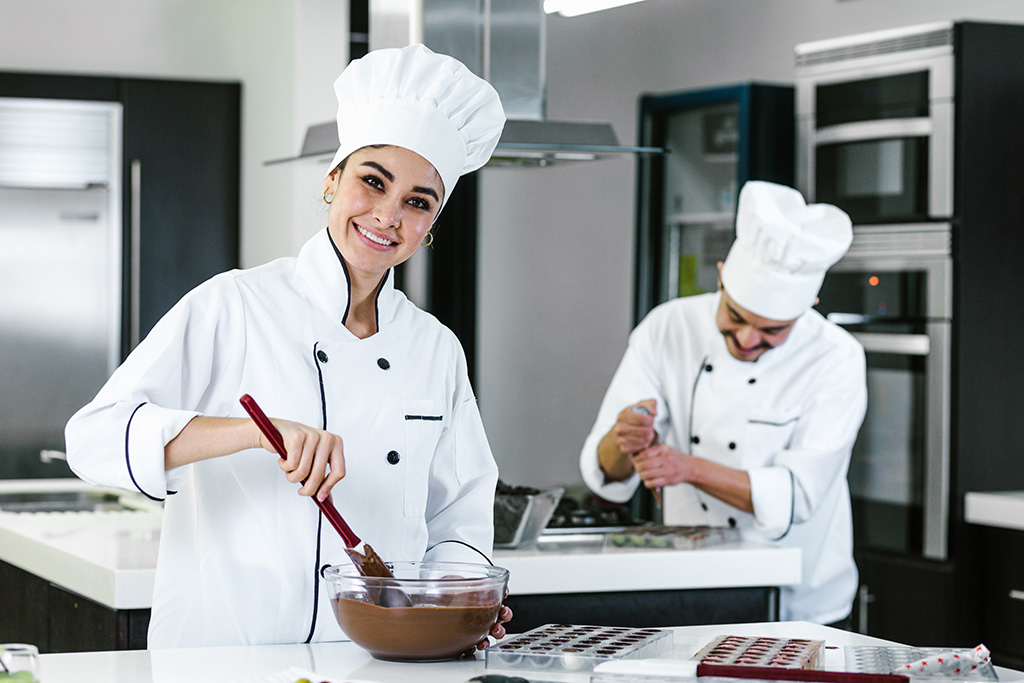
(376, 300)
(774, 424)
(689, 426)
(128, 460)
(320, 517)
(455, 540)
(428, 418)
(792, 504)
(316, 579)
(693, 400)
(348, 282)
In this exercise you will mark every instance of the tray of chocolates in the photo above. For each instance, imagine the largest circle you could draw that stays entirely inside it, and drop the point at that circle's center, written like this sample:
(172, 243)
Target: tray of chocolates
(564, 647)
(789, 653)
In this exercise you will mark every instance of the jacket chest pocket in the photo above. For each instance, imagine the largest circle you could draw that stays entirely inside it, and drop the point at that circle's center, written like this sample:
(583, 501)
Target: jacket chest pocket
(423, 421)
(770, 431)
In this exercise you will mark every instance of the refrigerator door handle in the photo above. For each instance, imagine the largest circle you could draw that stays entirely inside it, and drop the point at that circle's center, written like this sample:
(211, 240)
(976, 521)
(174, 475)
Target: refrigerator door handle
(134, 270)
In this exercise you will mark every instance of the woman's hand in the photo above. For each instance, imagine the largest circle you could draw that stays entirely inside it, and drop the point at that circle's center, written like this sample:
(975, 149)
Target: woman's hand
(498, 630)
(315, 457)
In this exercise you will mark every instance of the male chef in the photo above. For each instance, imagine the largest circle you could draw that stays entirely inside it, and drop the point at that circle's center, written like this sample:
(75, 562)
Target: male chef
(755, 401)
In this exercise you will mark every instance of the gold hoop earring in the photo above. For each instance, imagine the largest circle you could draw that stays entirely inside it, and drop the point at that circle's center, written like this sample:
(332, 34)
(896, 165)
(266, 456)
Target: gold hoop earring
(429, 241)
(328, 200)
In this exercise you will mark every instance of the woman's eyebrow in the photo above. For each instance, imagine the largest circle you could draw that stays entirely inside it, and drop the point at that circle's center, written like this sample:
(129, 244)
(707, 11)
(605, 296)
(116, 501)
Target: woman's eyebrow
(427, 190)
(380, 169)
(391, 178)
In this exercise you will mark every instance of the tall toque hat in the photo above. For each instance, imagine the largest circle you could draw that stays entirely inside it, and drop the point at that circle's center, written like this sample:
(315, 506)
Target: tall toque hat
(783, 248)
(426, 102)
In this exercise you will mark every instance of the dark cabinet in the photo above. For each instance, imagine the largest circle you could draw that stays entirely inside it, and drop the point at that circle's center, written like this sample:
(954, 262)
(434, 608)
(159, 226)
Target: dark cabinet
(645, 609)
(1002, 595)
(895, 589)
(181, 151)
(56, 620)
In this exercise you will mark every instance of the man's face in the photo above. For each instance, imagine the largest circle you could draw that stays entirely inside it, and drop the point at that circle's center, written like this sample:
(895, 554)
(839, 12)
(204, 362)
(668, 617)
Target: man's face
(747, 335)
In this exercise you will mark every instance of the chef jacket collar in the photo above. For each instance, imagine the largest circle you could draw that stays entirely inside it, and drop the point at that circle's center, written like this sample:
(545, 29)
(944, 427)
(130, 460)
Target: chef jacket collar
(318, 265)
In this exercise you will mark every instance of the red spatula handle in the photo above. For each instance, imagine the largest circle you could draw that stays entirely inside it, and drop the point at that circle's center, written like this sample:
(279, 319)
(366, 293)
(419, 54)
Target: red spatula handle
(274, 436)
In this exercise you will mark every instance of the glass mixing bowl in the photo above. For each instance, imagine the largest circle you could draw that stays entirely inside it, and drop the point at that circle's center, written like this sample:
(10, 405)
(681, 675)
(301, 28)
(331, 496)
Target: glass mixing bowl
(430, 611)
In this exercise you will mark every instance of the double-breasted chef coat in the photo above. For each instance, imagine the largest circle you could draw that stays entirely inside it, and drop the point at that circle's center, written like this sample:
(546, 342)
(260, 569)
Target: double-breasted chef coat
(789, 419)
(241, 550)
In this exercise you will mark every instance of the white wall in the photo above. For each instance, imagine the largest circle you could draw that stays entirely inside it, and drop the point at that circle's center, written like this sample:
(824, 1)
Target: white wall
(557, 243)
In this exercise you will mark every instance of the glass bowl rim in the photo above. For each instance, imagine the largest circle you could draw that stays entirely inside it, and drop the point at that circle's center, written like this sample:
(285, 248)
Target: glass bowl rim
(492, 573)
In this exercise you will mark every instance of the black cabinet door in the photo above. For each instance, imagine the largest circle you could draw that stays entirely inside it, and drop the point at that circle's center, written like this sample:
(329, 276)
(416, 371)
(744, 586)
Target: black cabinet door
(23, 614)
(906, 600)
(1002, 595)
(181, 152)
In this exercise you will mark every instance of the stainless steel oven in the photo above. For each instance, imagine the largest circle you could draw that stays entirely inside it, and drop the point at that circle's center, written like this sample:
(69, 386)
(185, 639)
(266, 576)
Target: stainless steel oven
(893, 292)
(875, 125)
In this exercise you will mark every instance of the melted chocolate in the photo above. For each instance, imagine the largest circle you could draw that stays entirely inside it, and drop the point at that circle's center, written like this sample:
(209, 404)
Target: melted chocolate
(421, 633)
(369, 564)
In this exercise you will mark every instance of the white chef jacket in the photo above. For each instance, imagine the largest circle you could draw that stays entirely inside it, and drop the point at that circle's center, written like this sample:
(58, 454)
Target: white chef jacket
(240, 548)
(789, 419)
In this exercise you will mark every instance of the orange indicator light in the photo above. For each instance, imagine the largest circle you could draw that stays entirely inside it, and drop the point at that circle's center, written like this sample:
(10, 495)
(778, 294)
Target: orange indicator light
(873, 280)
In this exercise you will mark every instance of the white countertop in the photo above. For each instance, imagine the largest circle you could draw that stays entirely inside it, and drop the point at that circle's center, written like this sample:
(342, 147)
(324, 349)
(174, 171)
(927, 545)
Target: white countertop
(996, 508)
(344, 661)
(110, 557)
(592, 570)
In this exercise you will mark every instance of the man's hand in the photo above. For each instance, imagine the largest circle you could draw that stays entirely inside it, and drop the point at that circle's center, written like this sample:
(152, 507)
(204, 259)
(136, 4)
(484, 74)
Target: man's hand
(634, 430)
(661, 465)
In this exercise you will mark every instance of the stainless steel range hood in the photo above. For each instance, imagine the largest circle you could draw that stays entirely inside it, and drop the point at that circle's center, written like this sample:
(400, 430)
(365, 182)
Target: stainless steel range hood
(504, 42)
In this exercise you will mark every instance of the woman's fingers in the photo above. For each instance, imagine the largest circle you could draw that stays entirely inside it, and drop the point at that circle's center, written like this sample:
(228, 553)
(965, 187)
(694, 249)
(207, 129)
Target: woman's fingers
(315, 458)
(334, 462)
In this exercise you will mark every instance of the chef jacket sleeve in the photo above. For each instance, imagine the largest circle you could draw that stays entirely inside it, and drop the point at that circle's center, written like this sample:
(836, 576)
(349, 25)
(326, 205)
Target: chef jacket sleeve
(794, 484)
(463, 476)
(636, 379)
(118, 438)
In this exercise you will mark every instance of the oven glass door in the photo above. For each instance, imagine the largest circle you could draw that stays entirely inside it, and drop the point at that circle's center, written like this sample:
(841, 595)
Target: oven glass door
(875, 181)
(886, 475)
(888, 467)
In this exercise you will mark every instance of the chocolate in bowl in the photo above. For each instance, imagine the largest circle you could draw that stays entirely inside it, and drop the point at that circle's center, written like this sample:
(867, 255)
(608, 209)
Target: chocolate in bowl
(451, 606)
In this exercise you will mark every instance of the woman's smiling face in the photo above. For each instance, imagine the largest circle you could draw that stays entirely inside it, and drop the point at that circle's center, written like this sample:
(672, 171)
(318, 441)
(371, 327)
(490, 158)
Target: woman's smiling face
(385, 200)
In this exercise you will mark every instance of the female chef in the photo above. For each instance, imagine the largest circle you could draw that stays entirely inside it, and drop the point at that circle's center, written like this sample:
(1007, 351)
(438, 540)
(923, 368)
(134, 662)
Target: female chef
(753, 401)
(371, 394)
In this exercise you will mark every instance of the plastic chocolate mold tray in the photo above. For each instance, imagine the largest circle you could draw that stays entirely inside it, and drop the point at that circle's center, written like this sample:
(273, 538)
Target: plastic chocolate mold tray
(788, 653)
(562, 647)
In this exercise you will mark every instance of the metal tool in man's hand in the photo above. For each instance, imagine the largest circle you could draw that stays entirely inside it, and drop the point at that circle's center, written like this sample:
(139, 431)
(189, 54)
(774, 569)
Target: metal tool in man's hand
(656, 492)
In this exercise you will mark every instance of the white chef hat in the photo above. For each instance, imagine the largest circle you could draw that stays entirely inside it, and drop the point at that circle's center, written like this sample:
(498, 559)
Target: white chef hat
(426, 102)
(783, 248)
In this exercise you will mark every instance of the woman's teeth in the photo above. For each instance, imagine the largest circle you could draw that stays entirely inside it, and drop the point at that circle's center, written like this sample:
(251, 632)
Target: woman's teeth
(373, 238)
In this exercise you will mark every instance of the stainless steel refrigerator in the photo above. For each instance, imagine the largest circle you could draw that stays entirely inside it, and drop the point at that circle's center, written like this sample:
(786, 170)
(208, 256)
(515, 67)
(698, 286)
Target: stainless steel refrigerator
(60, 271)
